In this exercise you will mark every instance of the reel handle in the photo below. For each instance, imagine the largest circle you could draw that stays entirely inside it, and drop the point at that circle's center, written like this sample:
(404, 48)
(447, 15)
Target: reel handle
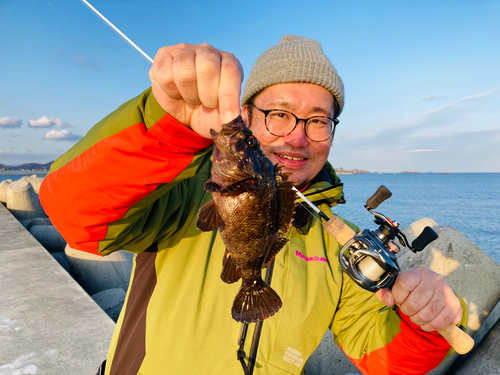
(426, 237)
(380, 195)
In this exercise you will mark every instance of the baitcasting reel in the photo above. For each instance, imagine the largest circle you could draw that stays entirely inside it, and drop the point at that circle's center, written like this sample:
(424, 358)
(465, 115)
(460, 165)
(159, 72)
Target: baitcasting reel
(370, 256)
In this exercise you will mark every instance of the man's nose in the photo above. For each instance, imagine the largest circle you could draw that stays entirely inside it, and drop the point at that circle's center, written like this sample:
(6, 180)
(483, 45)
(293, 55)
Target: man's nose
(297, 138)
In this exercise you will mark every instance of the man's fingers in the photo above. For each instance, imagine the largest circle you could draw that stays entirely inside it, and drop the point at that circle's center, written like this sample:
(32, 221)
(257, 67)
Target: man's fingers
(448, 315)
(230, 87)
(198, 85)
(184, 73)
(405, 283)
(426, 298)
(385, 296)
(161, 74)
(429, 312)
(208, 69)
(444, 308)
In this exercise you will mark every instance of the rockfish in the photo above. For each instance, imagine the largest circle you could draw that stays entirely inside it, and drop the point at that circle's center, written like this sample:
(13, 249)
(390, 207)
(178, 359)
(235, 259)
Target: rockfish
(252, 206)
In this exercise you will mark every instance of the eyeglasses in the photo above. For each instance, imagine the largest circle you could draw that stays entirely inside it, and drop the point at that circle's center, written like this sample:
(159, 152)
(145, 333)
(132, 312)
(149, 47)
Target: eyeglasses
(280, 123)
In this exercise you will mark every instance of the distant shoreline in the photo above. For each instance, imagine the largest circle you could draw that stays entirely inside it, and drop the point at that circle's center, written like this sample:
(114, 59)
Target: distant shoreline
(351, 171)
(27, 167)
(11, 172)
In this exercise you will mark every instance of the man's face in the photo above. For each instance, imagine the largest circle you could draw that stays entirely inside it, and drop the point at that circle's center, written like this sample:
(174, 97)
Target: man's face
(297, 153)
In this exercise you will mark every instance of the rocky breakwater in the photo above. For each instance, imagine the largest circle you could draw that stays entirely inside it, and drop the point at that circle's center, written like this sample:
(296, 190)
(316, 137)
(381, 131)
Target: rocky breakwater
(104, 279)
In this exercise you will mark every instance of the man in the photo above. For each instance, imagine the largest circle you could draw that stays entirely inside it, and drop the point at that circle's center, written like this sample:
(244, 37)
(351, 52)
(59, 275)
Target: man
(136, 180)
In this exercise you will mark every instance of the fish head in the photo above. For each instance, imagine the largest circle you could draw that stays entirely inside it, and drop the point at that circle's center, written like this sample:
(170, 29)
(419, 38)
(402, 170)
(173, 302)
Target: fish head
(237, 154)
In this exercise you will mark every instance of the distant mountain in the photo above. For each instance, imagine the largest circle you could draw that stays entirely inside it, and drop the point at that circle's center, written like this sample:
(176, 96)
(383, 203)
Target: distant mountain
(28, 166)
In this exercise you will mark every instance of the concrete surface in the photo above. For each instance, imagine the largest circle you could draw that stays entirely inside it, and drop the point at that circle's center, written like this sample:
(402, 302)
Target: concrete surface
(482, 333)
(23, 201)
(49, 237)
(3, 190)
(485, 358)
(96, 273)
(111, 301)
(329, 359)
(35, 181)
(48, 324)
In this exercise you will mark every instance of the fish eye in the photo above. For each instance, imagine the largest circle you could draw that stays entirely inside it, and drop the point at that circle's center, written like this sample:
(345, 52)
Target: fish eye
(252, 141)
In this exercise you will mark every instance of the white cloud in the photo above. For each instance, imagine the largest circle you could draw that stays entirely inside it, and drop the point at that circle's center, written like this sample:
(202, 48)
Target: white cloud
(10, 122)
(456, 102)
(61, 135)
(2, 152)
(48, 122)
(43, 122)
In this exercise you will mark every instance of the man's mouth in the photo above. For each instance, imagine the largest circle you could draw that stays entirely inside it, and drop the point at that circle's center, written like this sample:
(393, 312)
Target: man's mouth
(291, 157)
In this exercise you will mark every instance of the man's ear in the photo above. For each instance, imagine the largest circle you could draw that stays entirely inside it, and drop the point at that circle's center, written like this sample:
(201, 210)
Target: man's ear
(245, 115)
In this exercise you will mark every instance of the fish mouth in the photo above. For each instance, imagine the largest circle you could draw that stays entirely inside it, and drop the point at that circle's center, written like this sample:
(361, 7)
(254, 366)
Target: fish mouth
(227, 131)
(231, 127)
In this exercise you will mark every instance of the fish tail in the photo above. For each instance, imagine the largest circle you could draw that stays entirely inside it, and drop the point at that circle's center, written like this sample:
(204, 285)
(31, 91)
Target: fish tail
(255, 302)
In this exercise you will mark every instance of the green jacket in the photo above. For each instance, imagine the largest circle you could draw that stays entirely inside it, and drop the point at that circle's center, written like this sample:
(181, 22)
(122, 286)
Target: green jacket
(135, 182)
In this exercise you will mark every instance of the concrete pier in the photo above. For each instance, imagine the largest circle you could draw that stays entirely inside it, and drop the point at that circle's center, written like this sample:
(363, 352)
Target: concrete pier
(48, 324)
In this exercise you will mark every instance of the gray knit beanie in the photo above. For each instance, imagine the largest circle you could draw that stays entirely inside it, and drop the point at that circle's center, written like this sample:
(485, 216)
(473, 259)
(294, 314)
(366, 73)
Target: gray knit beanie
(294, 59)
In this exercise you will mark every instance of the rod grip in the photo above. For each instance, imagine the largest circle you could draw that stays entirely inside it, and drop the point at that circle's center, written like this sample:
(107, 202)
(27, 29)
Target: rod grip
(339, 230)
(458, 339)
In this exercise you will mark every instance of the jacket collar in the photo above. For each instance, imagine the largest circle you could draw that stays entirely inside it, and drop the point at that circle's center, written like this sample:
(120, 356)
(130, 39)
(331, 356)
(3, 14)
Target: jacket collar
(327, 188)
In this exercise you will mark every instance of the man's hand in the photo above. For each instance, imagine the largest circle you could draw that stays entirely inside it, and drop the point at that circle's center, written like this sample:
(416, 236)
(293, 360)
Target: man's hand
(425, 297)
(198, 85)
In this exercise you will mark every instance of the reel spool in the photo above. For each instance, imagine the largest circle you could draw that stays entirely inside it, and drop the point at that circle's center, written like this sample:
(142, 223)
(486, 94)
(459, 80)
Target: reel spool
(368, 265)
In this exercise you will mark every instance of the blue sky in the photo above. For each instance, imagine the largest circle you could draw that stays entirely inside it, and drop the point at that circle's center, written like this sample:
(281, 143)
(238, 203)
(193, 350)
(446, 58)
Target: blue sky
(422, 79)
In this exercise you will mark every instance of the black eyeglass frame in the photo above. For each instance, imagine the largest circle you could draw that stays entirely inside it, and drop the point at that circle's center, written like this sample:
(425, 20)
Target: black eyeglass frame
(306, 120)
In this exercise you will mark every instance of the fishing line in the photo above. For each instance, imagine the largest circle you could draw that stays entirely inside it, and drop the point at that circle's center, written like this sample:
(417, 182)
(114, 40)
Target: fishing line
(308, 204)
(104, 19)
(312, 213)
(97, 40)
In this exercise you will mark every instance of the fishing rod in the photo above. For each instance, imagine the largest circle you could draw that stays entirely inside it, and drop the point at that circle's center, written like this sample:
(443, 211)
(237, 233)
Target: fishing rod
(369, 257)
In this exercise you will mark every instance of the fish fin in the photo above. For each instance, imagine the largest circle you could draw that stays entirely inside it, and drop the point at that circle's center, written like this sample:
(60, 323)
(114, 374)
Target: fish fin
(212, 186)
(286, 201)
(275, 249)
(230, 270)
(208, 218)
(255, 302)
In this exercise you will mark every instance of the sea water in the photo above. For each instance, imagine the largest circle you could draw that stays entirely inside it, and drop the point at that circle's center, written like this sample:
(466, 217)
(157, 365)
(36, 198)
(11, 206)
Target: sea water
(470, 202)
